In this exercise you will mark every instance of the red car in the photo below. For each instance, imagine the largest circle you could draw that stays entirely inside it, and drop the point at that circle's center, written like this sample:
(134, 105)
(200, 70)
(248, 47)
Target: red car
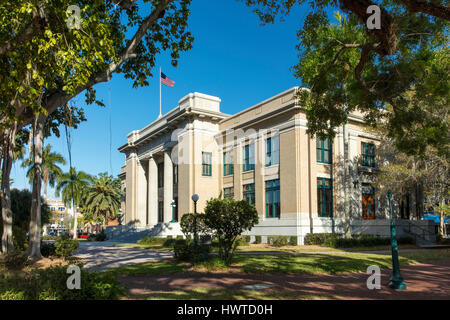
(82, 235)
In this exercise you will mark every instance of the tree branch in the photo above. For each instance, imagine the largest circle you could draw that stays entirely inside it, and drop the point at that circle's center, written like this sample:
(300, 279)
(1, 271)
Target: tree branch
(431, 8)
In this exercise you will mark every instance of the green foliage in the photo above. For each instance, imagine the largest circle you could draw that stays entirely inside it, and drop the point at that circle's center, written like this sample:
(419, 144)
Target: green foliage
(189, 251)
(334, 240)
(48, 249)
(193, 225)
(258, 239)
(20, 206)
(278, 241)
(293, 241)
(228, 219)
(65, 247)
(72, 180)
(398, 74)
(103, 197)
(101, 236)
(50, 284)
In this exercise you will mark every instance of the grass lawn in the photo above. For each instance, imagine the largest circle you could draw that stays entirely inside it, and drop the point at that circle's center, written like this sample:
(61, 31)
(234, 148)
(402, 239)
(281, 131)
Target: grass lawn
(309, 263)
(268, 248)
(214, 294)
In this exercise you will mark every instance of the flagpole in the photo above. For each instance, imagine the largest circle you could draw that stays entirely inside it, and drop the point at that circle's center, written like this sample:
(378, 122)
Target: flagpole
(160, 114)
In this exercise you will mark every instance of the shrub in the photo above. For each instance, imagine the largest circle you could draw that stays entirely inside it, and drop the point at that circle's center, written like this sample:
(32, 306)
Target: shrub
(293, 241)
(48, 249)
(50, 284)
(14, 261)
(318, 238)
(243, 240)
(193, 225)
(65, 247)
(49, 238)
(188, 251)
(258, 239)
(277, 241)
(228, 219)
(101, 236)
(169, 242)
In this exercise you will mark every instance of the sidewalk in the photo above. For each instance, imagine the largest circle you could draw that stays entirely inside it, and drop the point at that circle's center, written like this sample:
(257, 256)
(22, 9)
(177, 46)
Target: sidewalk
(424, 281)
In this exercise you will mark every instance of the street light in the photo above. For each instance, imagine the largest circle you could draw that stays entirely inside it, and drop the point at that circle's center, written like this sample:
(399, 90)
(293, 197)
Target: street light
(195, 199)
(397, 279)
(173, 204)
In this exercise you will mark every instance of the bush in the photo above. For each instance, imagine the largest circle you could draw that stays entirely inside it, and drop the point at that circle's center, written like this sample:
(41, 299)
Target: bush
(258, 239)
(188, 251)
(228, 219)
(14, 261)
(277, 241)
(243, 240)
(101, 236)
(169, 242)
(48, 249)
(65, 247)
(49, 238)
(293, 241)
(51, 284)
(319, 238)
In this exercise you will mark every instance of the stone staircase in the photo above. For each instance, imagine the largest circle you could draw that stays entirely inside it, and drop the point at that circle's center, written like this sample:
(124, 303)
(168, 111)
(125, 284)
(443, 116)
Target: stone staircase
(132, 233)
(422, 236)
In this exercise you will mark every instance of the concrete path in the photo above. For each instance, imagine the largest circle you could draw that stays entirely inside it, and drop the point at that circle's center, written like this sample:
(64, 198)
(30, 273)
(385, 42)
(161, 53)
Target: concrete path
(100, 256)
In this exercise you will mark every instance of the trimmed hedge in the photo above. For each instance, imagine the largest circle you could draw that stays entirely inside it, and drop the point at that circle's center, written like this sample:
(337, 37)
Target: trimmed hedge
(151, 240)
(278, 241)
(257, 239)
(334, 240)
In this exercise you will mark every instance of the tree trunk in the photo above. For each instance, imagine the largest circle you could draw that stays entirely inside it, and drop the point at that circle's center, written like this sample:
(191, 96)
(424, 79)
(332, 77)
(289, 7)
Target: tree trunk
(441, 222)
(34, 248)
(5, 192)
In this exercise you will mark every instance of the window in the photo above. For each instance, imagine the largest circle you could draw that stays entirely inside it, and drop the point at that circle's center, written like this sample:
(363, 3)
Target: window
(249, 193)
(175, 174)
(160, 211)
(368, 203)
(62, 209)
(228, 167)
(206, 164)
(324, 198)
(272, 151)
(52, 208)
(273, 199)
(248, 156)
(160, 175)
(323, 150)
(368, 154)
(228, 193)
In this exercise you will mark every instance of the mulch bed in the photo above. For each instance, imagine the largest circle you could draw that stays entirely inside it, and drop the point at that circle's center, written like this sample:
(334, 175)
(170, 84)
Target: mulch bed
(424, 281)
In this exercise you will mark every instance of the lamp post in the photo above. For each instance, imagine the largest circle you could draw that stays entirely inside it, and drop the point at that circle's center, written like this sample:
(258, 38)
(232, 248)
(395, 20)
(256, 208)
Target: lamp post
(195, 199)
(173, 204)
(397, 279)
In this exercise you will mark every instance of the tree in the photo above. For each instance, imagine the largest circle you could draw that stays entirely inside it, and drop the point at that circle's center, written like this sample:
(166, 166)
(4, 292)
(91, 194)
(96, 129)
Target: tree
(72, 186)
(228, 218)
(426, 175)
(103, 197)
(46, 59)
(50, 168)
(193, 224)
(386, 73)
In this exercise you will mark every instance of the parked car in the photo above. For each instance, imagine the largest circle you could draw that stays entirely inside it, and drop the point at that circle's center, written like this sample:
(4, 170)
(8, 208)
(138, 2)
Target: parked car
(82, 235)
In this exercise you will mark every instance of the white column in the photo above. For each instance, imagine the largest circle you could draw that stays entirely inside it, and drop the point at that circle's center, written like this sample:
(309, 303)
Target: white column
(141, 202)
(152, 192)
(168, 186)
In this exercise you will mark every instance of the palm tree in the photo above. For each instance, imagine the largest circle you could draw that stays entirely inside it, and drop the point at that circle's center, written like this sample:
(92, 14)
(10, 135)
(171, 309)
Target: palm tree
(50, 169)
(104, 197)
(72, 186)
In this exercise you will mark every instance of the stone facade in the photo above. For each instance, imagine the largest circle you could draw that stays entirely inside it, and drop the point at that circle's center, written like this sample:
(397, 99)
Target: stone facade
(182, 153)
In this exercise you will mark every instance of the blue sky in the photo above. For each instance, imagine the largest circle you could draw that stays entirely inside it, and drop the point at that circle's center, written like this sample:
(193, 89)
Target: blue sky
(233, 57)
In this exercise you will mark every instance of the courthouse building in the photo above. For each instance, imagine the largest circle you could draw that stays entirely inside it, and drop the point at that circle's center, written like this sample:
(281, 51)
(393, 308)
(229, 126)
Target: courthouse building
(262, 154)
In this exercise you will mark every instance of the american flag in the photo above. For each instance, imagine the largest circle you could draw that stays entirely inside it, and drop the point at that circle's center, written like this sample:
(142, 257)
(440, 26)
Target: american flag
(166, 80)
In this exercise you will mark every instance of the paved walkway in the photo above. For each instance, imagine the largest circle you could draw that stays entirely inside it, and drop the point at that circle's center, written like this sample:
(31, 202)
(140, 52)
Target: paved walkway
(103, 255)
(424, 281)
